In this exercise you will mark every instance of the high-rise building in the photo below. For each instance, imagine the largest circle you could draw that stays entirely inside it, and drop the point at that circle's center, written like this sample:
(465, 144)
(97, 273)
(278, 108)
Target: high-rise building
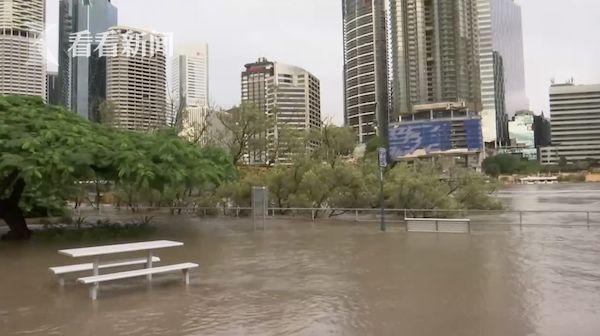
(575, 123)
(188, 90)
(502, 66)
(436, 84)
(366, 94)
(136, 84)
(22, 51)
(52, 88)
(435, 48)
(83, 77)
(502, 137)
(289, 95)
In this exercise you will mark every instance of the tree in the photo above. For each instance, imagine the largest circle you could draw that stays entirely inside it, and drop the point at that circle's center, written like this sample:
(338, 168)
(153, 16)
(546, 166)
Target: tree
(333, 143)
(46, 150)
(107, 112)
(244, 130)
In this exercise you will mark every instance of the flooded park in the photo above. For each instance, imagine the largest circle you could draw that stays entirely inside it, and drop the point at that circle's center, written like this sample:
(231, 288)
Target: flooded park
(336, 277)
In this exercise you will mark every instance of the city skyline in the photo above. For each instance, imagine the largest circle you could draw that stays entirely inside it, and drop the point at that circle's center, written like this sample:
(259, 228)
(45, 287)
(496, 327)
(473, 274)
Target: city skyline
(556, 40)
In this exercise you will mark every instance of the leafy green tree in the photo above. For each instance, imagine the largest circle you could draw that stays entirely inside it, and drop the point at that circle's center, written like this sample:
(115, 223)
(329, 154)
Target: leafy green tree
(244, 131)
(46, 152)
(107, 111)
(417, 187)
(333, 143)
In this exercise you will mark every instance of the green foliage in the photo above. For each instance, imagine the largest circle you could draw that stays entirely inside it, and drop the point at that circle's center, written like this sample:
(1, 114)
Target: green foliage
(99, 232)
(508, 164)
(333, 143)
(244, 130)
(53, 150)
(572, 178)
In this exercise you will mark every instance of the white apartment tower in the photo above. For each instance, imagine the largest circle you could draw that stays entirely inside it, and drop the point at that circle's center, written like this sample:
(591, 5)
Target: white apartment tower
(22, 51)
(188, 90)
(136, 84)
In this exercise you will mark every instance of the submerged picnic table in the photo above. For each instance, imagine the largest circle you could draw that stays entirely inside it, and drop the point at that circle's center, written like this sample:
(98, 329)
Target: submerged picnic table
(96, 252)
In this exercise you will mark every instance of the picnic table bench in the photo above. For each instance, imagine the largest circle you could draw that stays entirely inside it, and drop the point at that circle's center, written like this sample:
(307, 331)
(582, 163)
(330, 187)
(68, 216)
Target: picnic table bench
(96, 252)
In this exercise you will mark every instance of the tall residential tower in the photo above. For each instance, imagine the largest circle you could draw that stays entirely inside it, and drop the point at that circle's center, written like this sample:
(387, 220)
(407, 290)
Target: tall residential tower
(436, 83)
(22, 51)
(435, 48)
(366, 96)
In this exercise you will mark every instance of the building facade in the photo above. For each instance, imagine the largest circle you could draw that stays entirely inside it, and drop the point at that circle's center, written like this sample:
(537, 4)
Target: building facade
(83, 75)
(290, 96)
(436, 83)
(438, 132)
(366, 95)
(501, 41)
(136, 84)
(522, 135)
(542, 131)
(52, 88)
(575, 123)
(22, 51)
(435, 47)
(188, 90)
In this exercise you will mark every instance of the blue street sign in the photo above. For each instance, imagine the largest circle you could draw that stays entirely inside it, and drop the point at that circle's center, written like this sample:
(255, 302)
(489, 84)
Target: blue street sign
(383, 157)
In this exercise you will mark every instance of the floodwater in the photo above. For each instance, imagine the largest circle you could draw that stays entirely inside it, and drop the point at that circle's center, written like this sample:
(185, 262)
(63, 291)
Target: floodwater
(331, 278)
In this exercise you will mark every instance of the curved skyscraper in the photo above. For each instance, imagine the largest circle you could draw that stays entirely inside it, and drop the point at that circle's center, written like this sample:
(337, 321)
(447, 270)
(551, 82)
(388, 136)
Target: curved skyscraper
(366, 96)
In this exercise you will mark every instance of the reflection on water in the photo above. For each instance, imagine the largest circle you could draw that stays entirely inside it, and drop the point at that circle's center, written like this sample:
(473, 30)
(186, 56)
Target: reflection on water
(339, 278)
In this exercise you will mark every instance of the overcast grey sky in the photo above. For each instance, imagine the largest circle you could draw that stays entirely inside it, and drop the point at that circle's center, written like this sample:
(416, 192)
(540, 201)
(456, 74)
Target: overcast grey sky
(562, 40)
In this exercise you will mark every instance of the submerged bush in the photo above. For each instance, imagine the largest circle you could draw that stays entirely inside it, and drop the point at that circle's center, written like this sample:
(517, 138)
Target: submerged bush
(98, 232)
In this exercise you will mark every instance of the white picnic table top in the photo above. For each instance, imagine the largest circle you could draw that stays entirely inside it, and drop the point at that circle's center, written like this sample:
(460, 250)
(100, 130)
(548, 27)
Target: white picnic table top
(119, 248)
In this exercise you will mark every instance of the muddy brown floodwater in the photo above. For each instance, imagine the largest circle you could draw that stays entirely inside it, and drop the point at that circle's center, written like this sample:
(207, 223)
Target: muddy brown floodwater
(327, 278)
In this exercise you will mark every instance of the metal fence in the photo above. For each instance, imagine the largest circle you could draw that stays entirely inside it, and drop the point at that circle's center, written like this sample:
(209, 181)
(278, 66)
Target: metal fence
(479, 218)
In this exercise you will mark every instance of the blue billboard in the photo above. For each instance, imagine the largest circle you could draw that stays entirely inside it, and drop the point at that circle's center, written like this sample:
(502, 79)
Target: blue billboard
(431, 136)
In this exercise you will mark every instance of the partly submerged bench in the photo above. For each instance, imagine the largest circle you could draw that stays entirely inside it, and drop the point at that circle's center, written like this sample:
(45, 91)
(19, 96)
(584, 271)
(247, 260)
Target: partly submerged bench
(60, 271)
(97, 279)
(98, 252)
(438, 225)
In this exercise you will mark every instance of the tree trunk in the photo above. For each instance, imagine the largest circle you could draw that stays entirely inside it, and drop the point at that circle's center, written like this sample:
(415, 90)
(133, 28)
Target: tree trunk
(12, 214)
(14, 218)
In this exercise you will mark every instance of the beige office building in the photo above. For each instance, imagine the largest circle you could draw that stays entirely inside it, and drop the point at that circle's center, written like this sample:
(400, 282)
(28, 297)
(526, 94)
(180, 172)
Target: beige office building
(136, 84)
(22, 61)
(289, 95)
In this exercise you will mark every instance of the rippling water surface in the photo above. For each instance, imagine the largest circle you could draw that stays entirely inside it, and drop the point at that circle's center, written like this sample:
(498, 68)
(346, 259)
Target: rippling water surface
(328, 278)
